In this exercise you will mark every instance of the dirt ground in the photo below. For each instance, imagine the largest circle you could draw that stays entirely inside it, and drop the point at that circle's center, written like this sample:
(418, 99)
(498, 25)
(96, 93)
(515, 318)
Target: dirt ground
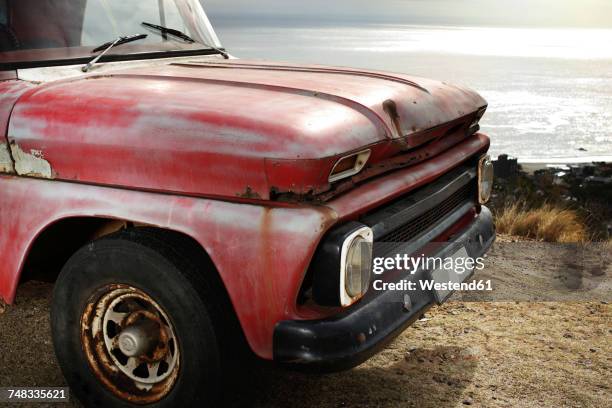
(487, 352)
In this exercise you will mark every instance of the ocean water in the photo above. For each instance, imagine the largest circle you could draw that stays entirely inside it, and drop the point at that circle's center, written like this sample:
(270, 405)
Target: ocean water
(549, 90)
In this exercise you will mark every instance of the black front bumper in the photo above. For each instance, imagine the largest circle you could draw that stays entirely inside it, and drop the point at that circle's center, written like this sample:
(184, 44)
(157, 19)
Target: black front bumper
(351, 337)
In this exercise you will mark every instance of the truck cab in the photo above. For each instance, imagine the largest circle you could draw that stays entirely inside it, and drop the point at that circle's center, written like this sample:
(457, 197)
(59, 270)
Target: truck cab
(188, 203)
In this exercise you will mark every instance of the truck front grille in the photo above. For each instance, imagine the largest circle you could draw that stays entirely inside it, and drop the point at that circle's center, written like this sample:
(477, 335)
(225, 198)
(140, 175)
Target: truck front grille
(429, 218)
(421, 213)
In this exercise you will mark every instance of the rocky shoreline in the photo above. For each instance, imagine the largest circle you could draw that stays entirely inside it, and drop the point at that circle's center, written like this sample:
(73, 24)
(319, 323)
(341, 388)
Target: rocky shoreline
(585, 188)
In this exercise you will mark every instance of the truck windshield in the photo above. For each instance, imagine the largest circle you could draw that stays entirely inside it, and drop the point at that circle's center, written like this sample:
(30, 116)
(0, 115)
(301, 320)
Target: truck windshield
(52, 32)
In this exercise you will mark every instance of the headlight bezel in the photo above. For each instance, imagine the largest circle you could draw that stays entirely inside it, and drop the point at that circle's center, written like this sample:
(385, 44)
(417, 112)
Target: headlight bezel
(329, 265)
(485, 179)
(365, 236)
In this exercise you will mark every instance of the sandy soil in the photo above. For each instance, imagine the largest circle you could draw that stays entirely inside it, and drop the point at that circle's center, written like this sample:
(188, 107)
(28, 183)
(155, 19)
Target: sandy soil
(481, 353)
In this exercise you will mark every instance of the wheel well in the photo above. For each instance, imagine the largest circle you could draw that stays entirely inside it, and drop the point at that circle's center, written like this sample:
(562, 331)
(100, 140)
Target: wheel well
(58, 241)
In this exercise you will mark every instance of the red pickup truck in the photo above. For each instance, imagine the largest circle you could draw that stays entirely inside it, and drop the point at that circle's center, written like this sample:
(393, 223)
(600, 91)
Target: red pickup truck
(186, 202)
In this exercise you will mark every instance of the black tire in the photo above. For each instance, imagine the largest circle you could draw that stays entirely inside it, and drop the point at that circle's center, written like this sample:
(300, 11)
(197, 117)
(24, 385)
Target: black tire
(180, 279)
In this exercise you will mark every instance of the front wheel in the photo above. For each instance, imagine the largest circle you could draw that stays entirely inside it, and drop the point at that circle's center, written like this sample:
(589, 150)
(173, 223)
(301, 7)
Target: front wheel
(133, 324)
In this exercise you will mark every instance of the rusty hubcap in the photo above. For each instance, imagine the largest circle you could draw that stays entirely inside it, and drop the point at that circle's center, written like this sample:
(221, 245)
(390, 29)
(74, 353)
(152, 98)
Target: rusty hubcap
(130, 344)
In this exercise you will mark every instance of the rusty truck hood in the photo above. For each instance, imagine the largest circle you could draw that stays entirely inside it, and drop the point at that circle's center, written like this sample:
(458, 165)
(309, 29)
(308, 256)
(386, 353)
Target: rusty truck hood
(233, 129)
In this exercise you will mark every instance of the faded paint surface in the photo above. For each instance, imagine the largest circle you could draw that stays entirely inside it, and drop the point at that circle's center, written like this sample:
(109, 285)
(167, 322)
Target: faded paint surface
(216, 129)
(10, 91)
(261, 253)
(237, 130)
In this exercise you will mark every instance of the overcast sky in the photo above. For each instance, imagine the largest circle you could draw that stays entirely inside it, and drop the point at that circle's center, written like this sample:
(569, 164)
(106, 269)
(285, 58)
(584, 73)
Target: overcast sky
(545, 13)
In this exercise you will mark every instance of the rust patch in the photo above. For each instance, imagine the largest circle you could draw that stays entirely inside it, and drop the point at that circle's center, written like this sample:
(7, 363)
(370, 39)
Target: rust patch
(249, 193)
(110, 227)
(30, 164)
(268, 255)
(6, 161)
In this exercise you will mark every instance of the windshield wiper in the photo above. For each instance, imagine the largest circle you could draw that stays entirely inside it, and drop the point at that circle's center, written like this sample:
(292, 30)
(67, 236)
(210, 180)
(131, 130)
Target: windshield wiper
(182, 36)
(108, 46)
(171, 31)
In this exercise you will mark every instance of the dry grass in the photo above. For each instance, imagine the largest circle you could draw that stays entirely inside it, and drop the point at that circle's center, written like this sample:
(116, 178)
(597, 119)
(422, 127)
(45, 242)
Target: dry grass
(547, 223)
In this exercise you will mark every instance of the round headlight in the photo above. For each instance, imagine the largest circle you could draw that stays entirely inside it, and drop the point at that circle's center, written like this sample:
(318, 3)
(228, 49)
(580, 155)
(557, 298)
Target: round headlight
(485, 179)
(358, 266)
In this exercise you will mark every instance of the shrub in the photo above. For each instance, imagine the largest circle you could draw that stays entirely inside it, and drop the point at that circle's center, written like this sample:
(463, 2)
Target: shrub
(547, 223)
